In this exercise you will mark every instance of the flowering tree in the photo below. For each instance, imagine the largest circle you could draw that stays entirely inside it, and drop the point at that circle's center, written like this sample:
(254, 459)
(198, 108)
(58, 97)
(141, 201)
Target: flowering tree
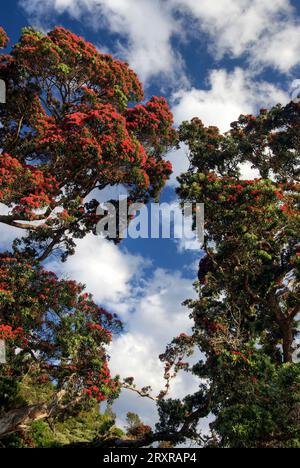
(72, 124)
(70, 127)
(55, 336)
(246, 317)
(3, 38)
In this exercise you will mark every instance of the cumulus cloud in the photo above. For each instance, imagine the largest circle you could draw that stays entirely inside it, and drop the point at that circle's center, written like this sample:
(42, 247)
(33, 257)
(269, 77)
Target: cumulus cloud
(155, 319)
(180, 163)
(149, 27)
(229, 95)
(106, 270)
(150, 307)
(145, 29)
(268, 33)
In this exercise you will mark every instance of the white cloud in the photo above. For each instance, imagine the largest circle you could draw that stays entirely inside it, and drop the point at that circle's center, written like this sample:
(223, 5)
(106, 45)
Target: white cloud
(145, 27)
(104, 268)
(179, 162)
(149, 27)
(156, 318)
(148, 304)
(8, 233)
(282, 50)
(159, 309)
(268, 33)
(229, 95)
(248, 173)
(150, 307)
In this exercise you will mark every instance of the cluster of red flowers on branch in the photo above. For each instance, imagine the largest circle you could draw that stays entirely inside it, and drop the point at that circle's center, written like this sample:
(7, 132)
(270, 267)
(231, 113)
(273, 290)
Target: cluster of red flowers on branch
(260, 197)
(8, 333)
(100, 331)
(94, 142)
(76, 122)
(154, 119)
(3, 38)
(60, 330)
(25, 187)
(101, 386)
(68, 56)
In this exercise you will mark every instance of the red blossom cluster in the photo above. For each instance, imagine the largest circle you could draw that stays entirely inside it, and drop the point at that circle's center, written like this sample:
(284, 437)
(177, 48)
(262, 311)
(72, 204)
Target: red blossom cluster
(253, 196)
(8, 333)
(100, 142)
(25, 187)
(3, 38)
(100, 385)
(154, 117)
(70, 112)
(57, 323)
(92, 141)
(100, 331)
(68, 55)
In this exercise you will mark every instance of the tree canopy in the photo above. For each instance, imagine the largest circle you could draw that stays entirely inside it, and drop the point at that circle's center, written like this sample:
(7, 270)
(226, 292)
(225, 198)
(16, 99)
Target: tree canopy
(71, 125)
(246, 320)
(75, 121)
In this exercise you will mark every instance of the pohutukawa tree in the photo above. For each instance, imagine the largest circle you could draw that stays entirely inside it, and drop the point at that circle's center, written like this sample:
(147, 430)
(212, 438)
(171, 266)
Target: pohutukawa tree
(247, 315)
(246, 319)
(3, 38)
(70, 126)
(56, 338)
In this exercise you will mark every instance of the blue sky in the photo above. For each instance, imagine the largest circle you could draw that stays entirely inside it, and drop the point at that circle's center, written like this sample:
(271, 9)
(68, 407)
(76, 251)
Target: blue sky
(210, 59)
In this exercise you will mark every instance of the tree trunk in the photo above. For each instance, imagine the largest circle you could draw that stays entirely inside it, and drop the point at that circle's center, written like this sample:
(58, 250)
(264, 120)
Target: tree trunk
(19, 419)
(288, 338)
(286, 326)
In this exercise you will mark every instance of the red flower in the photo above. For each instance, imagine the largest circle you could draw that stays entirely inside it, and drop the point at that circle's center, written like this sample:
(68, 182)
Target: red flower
(3, 38)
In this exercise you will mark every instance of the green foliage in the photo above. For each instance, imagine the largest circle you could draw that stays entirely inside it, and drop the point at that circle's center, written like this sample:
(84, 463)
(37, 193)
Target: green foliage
(86, 426)
(262, 410)
(246, 318)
